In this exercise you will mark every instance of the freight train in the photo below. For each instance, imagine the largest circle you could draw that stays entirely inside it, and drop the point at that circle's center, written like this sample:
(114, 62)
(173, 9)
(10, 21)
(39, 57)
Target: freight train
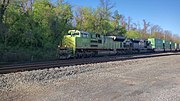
(80, 44)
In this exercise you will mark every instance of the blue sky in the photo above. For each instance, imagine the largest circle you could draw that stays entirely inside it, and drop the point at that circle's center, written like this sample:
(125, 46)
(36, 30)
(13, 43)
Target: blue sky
(165, 13)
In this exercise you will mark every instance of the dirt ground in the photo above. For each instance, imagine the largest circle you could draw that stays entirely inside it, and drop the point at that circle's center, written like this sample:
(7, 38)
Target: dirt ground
(151, 79)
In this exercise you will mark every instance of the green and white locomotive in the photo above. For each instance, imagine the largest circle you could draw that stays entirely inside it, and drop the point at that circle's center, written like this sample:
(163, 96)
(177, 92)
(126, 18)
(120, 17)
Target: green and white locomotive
(83, 44)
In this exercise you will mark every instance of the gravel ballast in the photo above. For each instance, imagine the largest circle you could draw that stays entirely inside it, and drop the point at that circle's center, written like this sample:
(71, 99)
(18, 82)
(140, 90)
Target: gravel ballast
(150, 79)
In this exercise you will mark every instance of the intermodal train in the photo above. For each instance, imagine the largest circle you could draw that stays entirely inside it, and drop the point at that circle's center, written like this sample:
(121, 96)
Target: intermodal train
(80, 44)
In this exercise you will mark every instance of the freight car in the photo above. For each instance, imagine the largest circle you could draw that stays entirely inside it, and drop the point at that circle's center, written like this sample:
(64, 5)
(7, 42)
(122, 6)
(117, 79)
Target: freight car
(157, 44)
(80, 44)
(177, 47)
(166, 46)
(172, 46)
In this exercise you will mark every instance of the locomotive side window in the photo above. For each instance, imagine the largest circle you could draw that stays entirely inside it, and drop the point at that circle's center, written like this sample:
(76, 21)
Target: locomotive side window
(97, 35)
(85, 35)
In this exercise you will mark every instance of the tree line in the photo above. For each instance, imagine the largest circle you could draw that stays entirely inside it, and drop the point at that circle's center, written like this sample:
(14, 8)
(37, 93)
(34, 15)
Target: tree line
(32, 29)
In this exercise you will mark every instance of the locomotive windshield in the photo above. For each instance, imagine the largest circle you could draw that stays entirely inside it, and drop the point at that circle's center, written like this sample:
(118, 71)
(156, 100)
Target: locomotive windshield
(75, 33)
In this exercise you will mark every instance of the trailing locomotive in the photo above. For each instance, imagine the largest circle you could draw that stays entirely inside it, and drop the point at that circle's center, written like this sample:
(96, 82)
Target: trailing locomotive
(79, 44)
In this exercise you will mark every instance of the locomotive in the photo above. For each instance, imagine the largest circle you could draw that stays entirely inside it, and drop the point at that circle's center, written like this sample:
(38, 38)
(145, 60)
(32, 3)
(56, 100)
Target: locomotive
(80, 44)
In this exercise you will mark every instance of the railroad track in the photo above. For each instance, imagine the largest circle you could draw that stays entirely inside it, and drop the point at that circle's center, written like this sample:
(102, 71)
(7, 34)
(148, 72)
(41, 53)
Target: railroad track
(61, 63)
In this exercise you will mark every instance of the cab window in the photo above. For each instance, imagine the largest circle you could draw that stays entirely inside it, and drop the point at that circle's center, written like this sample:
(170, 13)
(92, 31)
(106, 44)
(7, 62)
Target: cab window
(75, 33)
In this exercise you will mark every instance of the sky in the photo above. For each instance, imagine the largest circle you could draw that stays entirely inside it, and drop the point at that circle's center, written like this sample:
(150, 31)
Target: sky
(165, 13)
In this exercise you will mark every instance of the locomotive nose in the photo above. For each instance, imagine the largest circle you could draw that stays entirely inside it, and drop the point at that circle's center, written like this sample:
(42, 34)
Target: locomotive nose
(64, 53)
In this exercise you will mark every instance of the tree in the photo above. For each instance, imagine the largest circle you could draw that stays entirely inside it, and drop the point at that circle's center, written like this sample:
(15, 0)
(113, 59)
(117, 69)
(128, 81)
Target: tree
(117, 28)
(105, 14)
(90, 20)
(167, 35)
(3, 6)
(133, 34)
(61, 21)
(85, 19)
(156, 31)
(106, 7)
(129, 23)
(145, 28)
(3, 28)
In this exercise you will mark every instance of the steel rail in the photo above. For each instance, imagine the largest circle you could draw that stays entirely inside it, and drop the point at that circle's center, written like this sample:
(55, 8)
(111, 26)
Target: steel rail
(4, 69)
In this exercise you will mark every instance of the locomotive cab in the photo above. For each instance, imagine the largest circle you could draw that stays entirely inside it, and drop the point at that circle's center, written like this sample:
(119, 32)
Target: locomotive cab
(73, 40)
(66, 48)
